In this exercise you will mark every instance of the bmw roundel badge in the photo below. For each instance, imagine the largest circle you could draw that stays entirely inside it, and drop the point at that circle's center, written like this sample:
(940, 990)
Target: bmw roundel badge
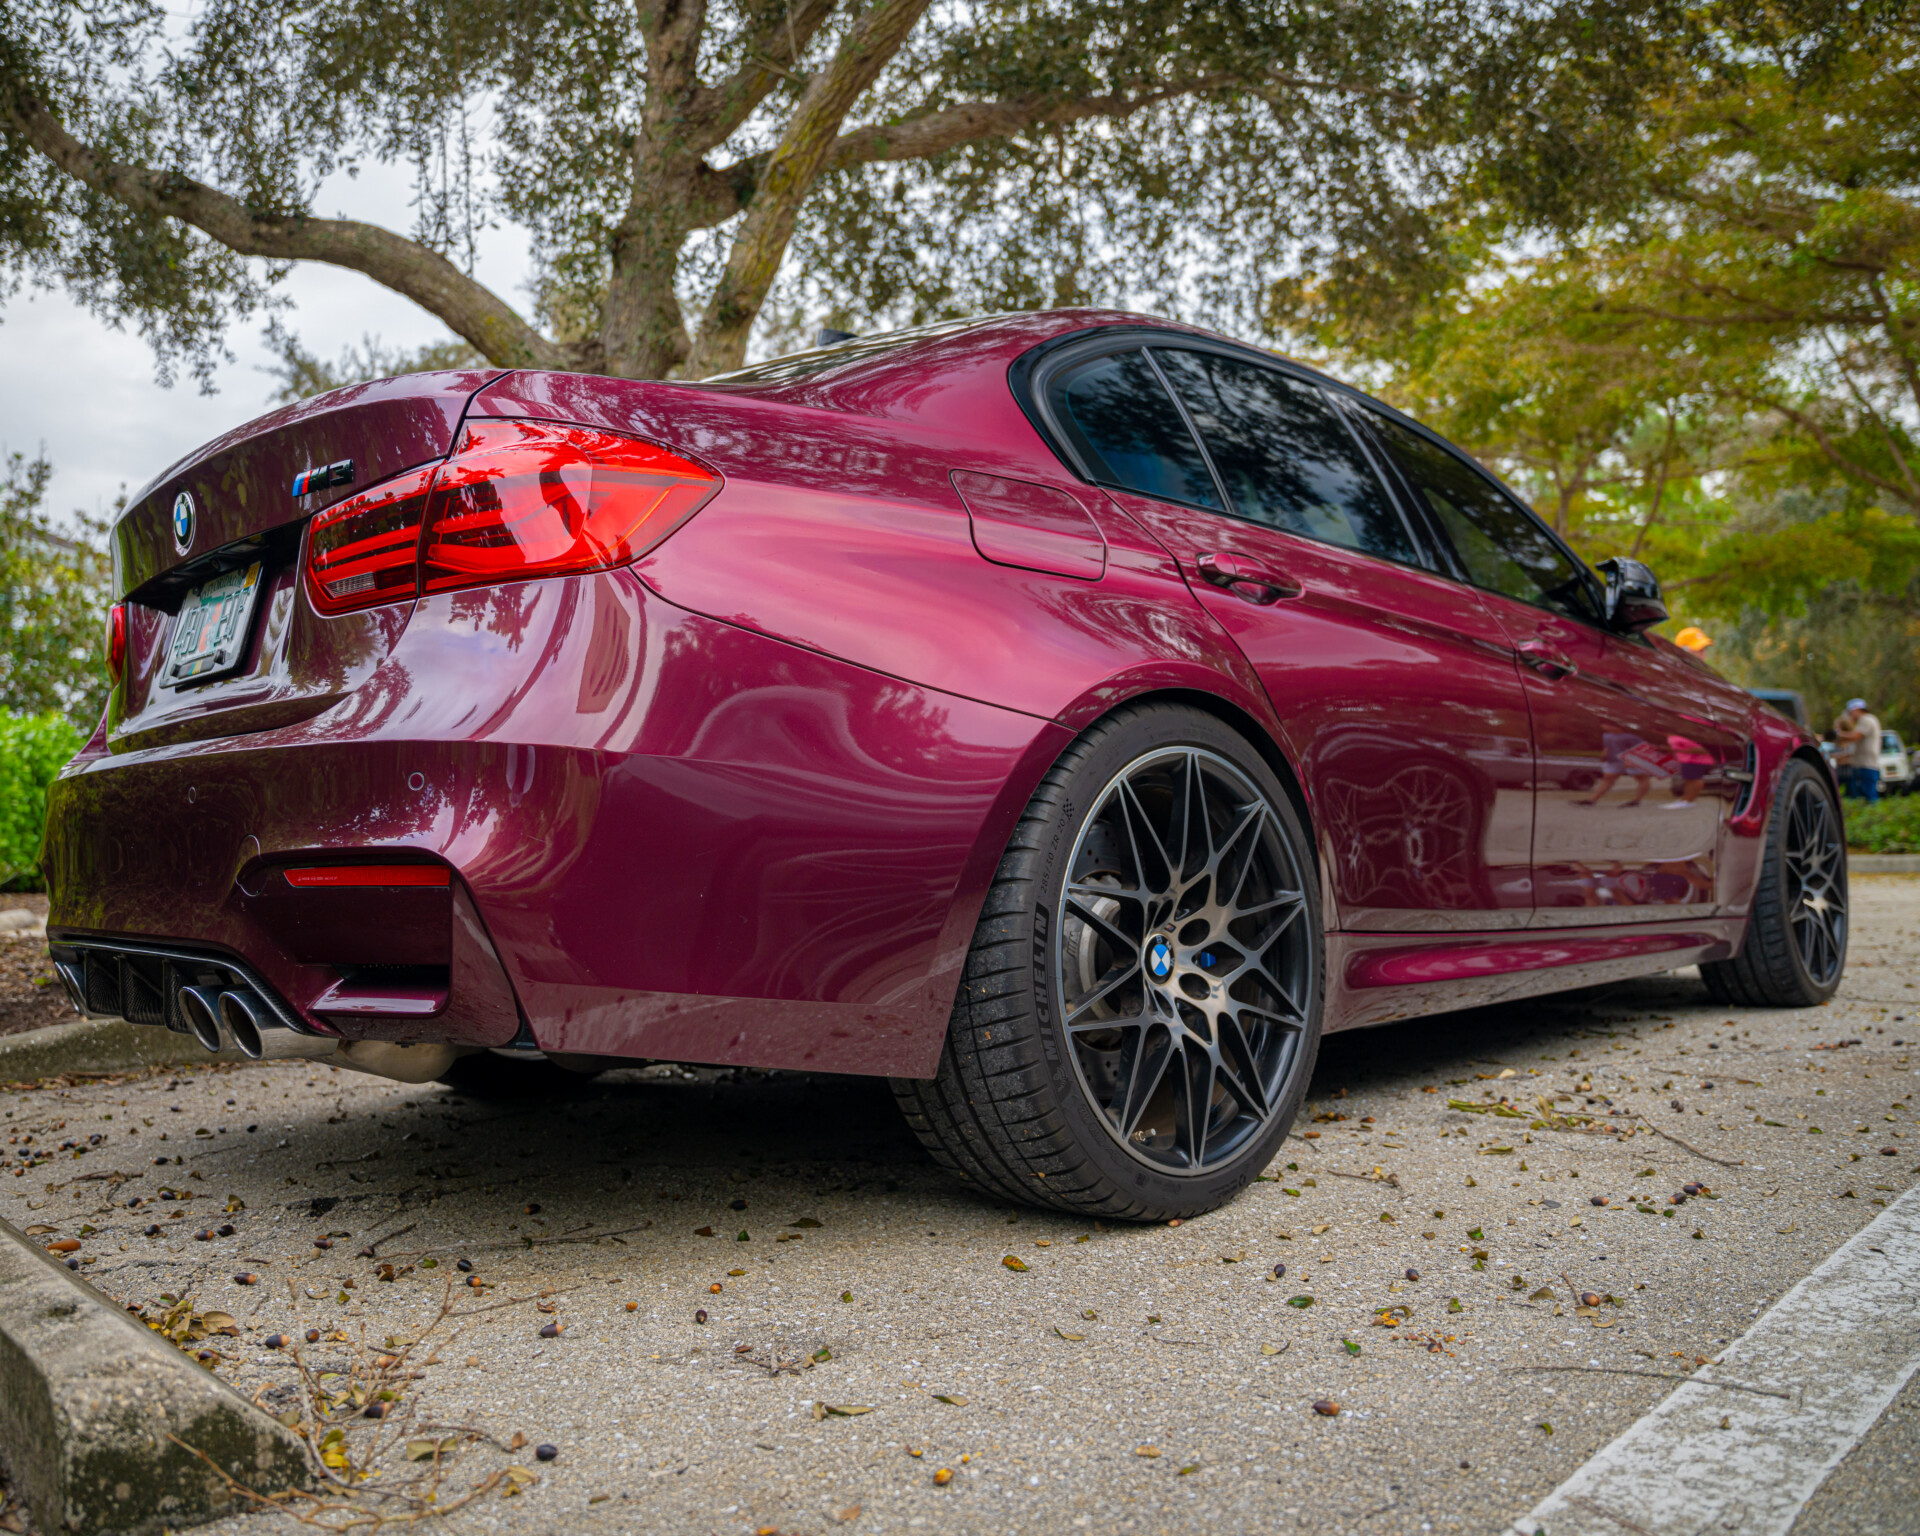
(1159, 958)
(182, 523)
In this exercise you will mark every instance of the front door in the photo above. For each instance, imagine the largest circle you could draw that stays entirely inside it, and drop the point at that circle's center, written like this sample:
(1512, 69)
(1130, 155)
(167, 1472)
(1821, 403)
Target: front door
(1399, 694)
(1633, 777)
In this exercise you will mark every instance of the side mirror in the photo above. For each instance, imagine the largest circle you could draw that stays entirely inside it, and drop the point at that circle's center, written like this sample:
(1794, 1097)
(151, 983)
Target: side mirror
(1633, 596)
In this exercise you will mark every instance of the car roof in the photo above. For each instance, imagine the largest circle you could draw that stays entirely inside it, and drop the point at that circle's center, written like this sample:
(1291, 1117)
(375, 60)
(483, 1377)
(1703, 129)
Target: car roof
(892, 373)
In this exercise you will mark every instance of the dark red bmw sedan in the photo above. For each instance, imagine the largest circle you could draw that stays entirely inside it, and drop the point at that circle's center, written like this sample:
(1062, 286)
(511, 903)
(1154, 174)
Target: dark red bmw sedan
(1067, 716)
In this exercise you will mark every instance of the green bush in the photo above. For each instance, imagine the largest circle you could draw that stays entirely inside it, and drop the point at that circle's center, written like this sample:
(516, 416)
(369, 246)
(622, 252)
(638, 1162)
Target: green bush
(33, 749)
(1889, 826)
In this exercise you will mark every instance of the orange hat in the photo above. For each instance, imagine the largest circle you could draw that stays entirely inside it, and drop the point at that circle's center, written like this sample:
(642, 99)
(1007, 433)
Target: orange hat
(1694, 638)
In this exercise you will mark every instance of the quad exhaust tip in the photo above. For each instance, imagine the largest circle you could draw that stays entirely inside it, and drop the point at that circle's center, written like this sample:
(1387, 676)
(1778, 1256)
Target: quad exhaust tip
(258, 1035)
(201, 1008)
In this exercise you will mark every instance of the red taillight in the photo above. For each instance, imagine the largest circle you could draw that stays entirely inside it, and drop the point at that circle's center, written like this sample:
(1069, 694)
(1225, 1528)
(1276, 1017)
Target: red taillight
(116, 641)
(517, 500)
(366, 550)
(336, 876)
(523, 499)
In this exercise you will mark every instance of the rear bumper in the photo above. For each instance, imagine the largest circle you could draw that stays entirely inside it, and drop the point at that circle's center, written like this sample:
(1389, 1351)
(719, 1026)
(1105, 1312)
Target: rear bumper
(667, 837)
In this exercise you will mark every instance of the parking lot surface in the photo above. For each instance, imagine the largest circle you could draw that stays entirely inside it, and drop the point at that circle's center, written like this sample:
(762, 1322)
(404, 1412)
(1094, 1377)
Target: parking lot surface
(736, 1302)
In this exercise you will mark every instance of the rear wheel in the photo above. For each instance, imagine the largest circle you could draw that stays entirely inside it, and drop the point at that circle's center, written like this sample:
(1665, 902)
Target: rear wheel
(1140, 1009)
(1795, 949)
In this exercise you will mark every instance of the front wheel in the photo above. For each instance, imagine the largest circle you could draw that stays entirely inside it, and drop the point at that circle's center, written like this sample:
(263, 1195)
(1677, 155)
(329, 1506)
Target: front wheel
(1795, 948)
(1140, 1010)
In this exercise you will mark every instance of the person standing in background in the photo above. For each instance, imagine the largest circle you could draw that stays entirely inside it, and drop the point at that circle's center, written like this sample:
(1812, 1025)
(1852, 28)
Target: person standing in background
(1857, 752)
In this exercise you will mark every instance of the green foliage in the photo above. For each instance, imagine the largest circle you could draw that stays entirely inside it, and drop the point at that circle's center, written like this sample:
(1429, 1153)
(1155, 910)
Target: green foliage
(998, 154)
(53, 600)
(33, 749)
(1886, 826)
(1725, 381)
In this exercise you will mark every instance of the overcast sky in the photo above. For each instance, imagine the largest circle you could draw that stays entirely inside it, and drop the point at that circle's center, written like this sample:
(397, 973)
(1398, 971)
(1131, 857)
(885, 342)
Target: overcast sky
(85, 392)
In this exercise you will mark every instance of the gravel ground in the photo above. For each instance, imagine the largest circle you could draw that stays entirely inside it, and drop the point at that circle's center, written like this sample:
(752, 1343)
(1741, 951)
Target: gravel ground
(30, 993)
(864, 1332)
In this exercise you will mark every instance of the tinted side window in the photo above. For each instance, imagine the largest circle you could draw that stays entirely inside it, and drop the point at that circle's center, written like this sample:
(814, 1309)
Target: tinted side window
(1502, 548)
(1285, 458)
(1129, 432)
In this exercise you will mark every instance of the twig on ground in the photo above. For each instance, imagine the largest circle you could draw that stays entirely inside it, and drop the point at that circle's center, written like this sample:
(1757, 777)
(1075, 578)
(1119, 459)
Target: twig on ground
(1623, 1370)
(1668, 1135)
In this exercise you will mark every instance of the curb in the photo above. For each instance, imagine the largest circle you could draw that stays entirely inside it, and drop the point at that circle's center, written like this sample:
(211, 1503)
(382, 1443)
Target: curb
(88, 1398)
(97, 1045)
(1883, 863)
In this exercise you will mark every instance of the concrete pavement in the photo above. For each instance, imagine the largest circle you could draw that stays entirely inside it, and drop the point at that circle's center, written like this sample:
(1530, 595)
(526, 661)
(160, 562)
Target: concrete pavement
(866, 1334)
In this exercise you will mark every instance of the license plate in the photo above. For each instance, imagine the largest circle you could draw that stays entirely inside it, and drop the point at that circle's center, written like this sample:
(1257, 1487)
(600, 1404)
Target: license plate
(210, 636)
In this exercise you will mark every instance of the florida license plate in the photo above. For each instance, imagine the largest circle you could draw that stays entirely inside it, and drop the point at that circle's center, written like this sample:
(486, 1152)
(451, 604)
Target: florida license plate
(210, 636)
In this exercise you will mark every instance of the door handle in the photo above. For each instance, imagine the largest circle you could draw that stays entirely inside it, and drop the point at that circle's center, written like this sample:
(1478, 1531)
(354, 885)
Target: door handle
(1545, 660)
(1232, 574)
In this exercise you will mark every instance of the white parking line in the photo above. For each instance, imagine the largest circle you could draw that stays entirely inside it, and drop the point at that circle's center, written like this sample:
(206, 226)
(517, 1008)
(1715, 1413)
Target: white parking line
(1825, 1360)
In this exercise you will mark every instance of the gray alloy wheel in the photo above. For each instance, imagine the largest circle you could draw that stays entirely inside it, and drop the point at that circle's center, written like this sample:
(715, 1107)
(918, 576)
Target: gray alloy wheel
(1180, 978)
(1795, 950)
(1141, 1007)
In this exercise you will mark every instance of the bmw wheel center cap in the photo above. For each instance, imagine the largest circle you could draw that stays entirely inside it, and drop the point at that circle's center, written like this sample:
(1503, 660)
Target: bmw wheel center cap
(1159, 957)
(183, 522)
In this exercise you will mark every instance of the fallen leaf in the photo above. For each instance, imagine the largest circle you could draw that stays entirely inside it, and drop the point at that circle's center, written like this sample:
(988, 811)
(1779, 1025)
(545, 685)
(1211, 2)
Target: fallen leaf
(1300, 1301)
(943, 1477)
(1323, 1227)
(1073, 1338)
(1327, 1408)
(1149, 1451)
(949, 1397)
(1010, 1261)
(847, 1410)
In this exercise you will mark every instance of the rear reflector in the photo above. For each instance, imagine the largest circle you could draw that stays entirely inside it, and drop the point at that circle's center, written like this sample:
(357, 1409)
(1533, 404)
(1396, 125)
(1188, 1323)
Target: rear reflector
(366, 550)
(333, 876)
(116, 641)
(522, 499)
(516, 500)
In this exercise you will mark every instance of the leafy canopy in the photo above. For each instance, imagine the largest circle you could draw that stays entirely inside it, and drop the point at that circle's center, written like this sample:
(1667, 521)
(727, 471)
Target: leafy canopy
(688, 169)
(1725, 381)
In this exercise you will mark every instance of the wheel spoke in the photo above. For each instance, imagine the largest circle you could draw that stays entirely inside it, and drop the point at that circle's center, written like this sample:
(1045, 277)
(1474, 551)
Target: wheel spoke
(1239, 1069)
(1143, 1065)
(1116, 979)
(1124, 942)
(1193, 808)
(1194, 1108)
(1251, 820)
(1139, 824)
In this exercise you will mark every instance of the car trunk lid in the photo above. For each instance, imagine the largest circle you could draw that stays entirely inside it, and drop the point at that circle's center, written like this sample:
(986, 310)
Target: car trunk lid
(241, 501)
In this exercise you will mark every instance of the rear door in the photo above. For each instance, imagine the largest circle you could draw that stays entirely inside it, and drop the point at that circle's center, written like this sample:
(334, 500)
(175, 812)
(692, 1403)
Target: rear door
(1634, 775)
(1399, 694)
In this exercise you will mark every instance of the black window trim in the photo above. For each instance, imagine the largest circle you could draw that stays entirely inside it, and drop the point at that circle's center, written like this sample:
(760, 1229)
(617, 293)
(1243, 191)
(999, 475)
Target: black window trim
(1033, 371)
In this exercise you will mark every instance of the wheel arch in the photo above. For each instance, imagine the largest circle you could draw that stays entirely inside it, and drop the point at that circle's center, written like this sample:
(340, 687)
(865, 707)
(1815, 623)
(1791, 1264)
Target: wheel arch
(1246, 725)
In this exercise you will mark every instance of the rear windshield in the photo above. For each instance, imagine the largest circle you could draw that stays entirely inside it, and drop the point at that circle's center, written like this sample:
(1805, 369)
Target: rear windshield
(862, 349)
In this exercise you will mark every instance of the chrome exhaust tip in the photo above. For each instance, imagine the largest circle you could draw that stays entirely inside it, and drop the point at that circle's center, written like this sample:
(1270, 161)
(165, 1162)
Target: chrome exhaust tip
(259, 1036)
(201, 1009)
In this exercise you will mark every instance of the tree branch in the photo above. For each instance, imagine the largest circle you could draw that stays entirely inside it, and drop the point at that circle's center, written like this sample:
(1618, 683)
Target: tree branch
(728, 189)
(771, 51)
(470, 309)
(1827, 446)
(791, 171)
